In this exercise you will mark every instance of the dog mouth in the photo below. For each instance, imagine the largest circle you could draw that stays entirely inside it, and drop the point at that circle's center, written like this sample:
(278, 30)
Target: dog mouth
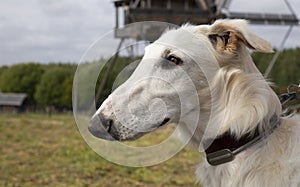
(164, 122)
(109, 131)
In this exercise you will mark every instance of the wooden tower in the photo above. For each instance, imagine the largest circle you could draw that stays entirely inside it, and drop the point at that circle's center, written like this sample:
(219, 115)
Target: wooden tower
(182, 11)
(179, 12)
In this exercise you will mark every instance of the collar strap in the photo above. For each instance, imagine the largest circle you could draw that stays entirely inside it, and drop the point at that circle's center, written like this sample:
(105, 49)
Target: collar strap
(224, 148)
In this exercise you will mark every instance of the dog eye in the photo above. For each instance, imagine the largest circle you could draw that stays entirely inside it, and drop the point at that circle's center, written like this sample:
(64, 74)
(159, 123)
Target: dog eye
(176, 60)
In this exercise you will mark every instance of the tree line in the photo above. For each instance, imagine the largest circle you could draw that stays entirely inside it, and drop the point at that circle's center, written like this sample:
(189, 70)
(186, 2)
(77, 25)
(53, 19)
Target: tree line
(45, 85)
(51, 84)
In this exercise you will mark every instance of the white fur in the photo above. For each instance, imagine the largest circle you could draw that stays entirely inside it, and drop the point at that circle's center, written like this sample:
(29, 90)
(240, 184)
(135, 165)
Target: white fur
(233, 97)
(273, 162)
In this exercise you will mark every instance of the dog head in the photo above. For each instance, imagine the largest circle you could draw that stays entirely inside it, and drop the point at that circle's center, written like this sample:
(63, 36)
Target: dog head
(186, 71)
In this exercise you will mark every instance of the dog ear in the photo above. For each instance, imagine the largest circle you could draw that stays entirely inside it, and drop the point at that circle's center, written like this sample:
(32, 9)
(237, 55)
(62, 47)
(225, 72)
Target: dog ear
(227, 35)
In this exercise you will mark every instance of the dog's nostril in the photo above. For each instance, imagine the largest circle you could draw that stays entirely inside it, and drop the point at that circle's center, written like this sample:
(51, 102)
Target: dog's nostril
(100, 130)
(166, 120)
(106, 122)
(110, 124)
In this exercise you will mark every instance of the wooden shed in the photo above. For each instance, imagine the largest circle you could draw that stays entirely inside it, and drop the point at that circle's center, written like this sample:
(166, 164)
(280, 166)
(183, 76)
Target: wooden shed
(12, 102)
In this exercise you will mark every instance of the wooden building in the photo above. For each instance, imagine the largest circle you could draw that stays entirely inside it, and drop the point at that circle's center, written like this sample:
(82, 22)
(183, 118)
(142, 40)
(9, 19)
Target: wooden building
(12, 102)
(171, 11)
(174, 12)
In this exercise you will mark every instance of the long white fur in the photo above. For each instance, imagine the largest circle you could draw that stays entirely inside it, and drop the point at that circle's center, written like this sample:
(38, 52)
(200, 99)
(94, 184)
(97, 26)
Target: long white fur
(247, 101)
(236, 92)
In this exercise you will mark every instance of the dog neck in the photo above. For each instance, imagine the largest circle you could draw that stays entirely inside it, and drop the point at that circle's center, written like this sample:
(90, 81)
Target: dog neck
(224, 148)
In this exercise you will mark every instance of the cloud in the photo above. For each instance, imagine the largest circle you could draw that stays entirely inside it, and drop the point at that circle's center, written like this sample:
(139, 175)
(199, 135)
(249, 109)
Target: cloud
(52, 31)
(48, 30)
(274, 34)
(266, 6)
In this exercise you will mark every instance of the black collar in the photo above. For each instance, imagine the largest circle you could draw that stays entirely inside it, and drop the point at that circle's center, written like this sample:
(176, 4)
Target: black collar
(224, 148)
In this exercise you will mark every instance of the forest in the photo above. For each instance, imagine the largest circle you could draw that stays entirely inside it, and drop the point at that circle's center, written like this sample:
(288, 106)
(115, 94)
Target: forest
(51, 84)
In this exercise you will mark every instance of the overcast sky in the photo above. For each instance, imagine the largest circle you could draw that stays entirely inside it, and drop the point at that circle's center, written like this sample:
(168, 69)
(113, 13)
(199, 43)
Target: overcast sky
(62, 30)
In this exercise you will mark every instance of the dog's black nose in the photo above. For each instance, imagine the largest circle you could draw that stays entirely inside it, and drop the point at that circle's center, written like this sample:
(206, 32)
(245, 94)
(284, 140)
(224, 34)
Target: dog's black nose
(101, 127)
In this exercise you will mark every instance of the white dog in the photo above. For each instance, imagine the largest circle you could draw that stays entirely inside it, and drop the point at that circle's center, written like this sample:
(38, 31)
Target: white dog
(239, 126)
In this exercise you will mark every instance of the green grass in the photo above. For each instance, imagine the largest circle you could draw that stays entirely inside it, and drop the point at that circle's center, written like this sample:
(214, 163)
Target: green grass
(37, 150)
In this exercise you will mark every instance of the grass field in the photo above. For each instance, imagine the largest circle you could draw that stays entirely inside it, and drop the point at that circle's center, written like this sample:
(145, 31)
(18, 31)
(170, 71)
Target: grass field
(37, 150)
